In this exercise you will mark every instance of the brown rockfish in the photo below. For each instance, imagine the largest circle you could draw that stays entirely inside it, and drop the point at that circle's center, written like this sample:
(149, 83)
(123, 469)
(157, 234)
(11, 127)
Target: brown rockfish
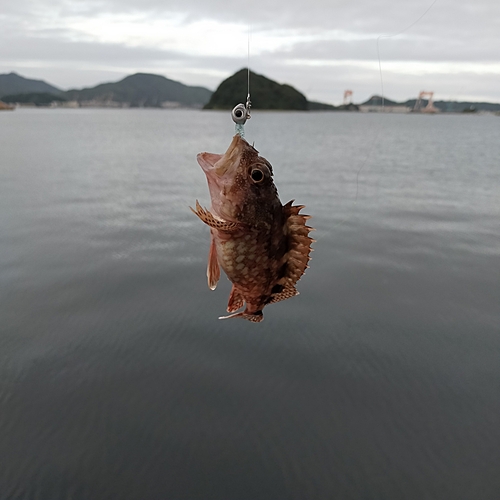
(262, 245)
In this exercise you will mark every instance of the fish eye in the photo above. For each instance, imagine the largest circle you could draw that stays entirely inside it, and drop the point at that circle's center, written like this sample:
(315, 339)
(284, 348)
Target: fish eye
(257, 175)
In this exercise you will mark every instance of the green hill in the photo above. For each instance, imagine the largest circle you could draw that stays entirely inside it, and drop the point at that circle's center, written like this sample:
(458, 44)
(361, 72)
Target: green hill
(265, 93)
(445, 106)
(376, 100)
(12, 83)
(459, 106)
(142, 90)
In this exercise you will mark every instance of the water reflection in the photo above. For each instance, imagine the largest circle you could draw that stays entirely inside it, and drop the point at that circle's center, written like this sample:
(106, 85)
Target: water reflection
(379, 380)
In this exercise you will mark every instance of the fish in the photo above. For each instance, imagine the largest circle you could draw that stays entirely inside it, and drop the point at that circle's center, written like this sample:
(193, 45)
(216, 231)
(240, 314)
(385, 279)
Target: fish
(263, 246)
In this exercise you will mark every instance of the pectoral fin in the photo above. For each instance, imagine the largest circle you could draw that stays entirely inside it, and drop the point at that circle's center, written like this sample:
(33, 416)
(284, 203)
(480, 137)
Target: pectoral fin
(213, 269)
(211, 221)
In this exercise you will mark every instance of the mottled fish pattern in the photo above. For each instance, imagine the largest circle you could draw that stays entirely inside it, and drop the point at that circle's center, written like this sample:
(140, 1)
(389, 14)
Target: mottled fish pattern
(262, 245)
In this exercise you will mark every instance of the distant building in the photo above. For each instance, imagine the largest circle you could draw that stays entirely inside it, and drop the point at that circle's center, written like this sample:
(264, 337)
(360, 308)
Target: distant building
(70, 104)
(6, 107)
(171, 104)
(383, 109)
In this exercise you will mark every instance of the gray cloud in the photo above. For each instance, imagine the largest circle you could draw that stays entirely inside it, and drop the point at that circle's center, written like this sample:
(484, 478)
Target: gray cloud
(358, 16)
(393, 49)
(53, 50)
(336, 49)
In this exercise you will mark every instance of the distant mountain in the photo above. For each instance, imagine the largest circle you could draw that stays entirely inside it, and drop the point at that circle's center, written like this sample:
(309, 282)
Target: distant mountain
(458, 106)
(445, 106)
(321, 106)
(142, 90)
(148, 90)
(12, 83)
(265, 93)
(377, 100)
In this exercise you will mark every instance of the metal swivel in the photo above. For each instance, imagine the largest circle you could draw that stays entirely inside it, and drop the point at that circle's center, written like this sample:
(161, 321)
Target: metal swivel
(239, 114)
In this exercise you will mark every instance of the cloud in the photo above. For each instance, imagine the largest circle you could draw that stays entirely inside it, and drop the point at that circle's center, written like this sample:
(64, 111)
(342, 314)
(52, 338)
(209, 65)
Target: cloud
(323, 46)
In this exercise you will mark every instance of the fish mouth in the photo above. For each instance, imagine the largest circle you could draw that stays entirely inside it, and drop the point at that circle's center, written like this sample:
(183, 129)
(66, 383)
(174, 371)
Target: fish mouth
(212, 163)
(220, 171)
(207, 161)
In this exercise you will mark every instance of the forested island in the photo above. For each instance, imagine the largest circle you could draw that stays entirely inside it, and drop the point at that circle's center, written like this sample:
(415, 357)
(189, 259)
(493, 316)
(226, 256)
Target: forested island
(265, 93)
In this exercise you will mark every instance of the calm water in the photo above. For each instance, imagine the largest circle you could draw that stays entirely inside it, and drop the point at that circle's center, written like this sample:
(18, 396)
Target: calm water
(117, 381)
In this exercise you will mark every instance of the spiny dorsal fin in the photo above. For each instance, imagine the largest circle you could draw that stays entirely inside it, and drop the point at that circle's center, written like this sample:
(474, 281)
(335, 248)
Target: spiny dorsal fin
(299, 243)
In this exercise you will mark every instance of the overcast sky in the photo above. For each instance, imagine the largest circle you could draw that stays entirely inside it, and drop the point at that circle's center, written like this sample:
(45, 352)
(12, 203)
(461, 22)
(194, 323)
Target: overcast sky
(321, 47)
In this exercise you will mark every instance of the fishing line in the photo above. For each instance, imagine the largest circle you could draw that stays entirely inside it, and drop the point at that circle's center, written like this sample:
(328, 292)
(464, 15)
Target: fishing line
(241, 112)
(391, 36)
(248, 64)
(375, 139)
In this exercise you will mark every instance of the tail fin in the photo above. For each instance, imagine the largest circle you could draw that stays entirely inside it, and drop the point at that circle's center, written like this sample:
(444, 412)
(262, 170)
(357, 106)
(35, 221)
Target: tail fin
(255, 317)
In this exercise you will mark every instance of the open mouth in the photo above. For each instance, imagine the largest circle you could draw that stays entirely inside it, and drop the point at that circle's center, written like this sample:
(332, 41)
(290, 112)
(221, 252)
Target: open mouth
(220, 164)
(207, 161)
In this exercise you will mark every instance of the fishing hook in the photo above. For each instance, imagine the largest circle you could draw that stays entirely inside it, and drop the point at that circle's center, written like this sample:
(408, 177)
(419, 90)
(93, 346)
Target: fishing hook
(241, 112)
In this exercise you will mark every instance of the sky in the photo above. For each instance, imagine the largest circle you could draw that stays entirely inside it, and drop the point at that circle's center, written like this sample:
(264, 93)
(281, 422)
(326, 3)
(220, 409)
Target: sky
(320, 47)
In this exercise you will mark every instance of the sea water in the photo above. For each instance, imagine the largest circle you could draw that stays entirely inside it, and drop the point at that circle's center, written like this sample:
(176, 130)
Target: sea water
(381, 380)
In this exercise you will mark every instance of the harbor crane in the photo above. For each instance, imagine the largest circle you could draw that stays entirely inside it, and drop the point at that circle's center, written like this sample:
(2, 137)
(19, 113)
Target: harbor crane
(419, 107)
(347, 97)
